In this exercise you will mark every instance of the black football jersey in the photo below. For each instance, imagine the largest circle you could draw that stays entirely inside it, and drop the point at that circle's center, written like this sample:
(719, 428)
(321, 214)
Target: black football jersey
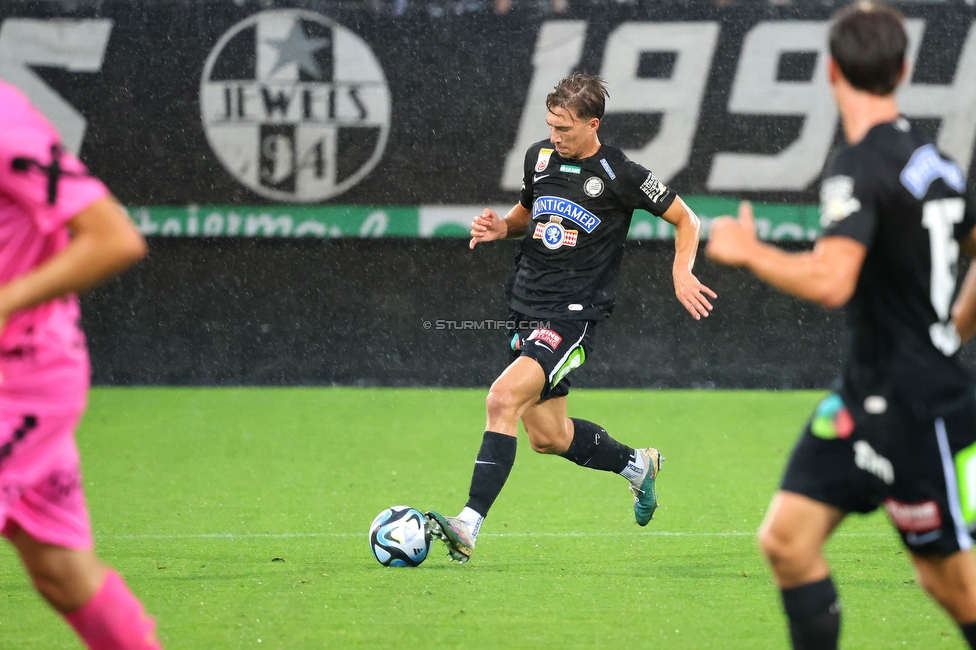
(569, 260)
(896, 194)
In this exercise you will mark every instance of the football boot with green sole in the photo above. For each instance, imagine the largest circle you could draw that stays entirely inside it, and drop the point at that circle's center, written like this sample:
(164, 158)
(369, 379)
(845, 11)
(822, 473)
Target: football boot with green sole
(645, 498)
(453, 532)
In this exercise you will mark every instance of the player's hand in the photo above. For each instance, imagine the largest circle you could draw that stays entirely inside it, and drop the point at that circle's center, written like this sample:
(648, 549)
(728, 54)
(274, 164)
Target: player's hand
(730, 241)
(691, 293)
(487, 226)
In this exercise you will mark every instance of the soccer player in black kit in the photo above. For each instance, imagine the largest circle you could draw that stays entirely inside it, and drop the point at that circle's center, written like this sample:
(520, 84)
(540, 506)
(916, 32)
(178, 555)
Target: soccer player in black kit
(899, 428)
(576, 204)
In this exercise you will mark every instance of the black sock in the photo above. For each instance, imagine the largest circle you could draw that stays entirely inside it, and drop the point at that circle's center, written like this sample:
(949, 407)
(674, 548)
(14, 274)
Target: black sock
(491, 469)
(969, 631)
(814, 614)
(592, 447)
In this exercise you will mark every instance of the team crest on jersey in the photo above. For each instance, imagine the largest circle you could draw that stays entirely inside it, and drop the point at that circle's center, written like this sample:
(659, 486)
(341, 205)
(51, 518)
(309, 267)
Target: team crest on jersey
(593, 187)
(554, 235)
(543, 160)
(837, 200)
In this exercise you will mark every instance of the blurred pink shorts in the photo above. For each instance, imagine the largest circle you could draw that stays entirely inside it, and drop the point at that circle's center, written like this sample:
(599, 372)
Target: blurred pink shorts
(40, 479)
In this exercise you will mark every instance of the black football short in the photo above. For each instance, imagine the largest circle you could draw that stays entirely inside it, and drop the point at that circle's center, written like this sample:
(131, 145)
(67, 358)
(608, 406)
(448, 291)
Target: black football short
(558, 346)
(922, 471)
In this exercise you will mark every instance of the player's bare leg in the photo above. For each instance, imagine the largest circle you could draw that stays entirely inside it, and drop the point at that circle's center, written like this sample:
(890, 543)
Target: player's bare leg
(91, 596)
(67, 578)
(517, 389)
(548, 428)
(792, 538)
(951, 581)
(589, 445)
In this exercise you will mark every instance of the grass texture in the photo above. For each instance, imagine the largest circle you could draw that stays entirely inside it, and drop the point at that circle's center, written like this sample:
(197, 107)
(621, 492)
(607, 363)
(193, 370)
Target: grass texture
(239, 516)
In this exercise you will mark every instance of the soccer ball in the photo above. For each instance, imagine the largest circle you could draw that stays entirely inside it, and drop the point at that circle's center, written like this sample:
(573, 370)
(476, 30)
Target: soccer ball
(399, 537)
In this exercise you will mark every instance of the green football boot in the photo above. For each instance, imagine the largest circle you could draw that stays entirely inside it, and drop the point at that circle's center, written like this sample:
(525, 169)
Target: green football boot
(453, 532)
(645, 498)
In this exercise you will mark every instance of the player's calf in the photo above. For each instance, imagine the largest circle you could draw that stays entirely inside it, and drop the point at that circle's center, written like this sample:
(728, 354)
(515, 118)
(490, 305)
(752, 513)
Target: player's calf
(814, 615)
(593, 447)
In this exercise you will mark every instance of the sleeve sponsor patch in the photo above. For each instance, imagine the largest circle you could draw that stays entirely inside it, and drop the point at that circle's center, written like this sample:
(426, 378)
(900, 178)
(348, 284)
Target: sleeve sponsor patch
(653, 188)
(925, 166)
(837, 200)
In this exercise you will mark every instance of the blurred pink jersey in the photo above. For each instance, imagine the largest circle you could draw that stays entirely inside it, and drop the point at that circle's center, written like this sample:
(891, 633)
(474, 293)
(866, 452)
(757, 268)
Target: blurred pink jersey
(43, 357)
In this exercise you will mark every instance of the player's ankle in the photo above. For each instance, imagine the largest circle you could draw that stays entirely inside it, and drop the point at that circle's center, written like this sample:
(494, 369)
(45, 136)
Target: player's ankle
(472, 519)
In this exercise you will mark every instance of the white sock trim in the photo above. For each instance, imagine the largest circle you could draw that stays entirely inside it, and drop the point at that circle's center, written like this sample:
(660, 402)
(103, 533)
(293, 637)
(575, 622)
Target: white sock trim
(635, 467)
(472, 519)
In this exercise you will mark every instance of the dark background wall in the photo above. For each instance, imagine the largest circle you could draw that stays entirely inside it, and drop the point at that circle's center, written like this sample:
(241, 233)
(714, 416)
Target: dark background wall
(263, 312)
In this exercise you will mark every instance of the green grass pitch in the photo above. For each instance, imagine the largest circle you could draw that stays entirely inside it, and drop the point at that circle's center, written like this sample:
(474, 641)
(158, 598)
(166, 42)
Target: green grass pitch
(195, 492)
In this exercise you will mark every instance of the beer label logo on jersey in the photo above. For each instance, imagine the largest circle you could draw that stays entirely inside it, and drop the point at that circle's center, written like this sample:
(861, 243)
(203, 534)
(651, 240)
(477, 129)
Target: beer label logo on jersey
(554, 235)
(837, 200)
(553, 205)
(543, 160)
(547, 336)
(653, 188)
(914, 517)
(593, 187)
(295, 106)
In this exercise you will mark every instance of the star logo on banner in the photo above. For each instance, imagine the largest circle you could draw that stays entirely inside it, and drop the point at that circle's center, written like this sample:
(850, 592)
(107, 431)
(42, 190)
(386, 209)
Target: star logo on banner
(298, 49)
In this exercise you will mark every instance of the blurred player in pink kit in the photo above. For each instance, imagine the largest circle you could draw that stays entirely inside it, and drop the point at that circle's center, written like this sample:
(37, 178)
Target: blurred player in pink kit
(60, 232)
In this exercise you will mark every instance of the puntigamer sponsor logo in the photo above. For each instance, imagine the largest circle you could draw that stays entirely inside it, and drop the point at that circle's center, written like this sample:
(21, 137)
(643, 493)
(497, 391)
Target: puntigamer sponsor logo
(295, 106)
(553, 205)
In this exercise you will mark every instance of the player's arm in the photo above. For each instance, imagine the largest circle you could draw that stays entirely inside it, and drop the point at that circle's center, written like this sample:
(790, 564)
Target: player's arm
(104, 242)
(826, 275)
(964, 308)
(487, 226)
(690, 292)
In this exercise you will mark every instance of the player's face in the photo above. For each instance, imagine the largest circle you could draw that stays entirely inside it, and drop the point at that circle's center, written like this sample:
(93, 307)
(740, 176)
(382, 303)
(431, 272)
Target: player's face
(572, 137)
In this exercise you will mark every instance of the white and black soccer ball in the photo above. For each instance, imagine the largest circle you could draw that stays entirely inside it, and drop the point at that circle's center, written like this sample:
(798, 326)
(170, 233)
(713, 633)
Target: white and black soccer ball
(399, 537)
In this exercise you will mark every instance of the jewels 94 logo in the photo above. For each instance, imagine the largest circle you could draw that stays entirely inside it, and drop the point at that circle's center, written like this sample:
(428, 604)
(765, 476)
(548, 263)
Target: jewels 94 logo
(295, 106)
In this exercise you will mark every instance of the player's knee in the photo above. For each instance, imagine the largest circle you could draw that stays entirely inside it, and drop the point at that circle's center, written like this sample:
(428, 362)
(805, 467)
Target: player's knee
(780, 549)
(543, 444)
(501, 404)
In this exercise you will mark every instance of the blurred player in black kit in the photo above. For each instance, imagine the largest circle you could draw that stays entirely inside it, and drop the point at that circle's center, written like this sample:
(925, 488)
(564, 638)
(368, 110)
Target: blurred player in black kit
(900, 427)
(578, 197)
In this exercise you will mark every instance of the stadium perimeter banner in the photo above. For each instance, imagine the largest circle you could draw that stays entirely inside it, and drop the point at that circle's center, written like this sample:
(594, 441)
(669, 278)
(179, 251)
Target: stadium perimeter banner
(301, 176)
(210, 117)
